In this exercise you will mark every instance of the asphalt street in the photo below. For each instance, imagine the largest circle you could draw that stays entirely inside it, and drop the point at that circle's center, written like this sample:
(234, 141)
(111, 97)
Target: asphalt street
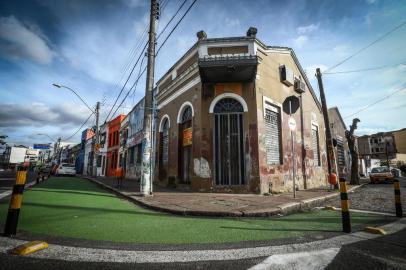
(7, 180)
(362, 252)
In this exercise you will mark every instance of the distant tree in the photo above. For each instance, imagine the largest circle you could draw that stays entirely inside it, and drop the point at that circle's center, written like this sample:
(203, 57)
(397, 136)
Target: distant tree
(349, 134)
(3, 139)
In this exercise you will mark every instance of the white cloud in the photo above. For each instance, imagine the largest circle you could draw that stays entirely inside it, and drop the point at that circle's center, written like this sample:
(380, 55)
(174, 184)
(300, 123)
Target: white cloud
(39, 114)
(17, 41)
(300, 41)
(229, 22)
(307, 29)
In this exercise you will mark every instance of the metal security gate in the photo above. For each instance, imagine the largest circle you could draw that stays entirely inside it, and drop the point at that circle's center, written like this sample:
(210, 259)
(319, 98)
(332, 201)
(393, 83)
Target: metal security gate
(228, 143)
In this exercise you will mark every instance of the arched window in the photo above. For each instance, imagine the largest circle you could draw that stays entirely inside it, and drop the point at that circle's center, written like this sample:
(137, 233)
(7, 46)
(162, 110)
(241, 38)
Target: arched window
(227, 105)
(165, 142)
(186, 115)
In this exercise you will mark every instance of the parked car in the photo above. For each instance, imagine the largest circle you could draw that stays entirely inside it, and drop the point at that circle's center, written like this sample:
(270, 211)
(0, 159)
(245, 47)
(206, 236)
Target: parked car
(396, 172)
(65, 169)
(381, 174)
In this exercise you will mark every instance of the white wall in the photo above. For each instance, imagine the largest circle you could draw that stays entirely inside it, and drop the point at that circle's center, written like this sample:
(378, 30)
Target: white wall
(17, 154)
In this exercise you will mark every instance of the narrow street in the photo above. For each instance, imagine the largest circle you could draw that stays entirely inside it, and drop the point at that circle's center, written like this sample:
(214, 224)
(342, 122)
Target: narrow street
(90, 225)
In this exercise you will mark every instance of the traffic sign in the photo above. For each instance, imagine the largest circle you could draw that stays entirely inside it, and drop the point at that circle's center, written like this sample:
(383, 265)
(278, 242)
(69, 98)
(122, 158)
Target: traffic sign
(292, 123)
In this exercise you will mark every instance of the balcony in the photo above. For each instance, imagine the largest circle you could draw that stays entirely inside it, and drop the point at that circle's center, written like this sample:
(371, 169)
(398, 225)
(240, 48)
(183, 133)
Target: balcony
(228, 68)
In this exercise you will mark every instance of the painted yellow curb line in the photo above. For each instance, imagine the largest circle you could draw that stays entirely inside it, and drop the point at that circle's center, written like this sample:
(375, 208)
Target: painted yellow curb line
(29, 247)
(375, 230)
(329, 207)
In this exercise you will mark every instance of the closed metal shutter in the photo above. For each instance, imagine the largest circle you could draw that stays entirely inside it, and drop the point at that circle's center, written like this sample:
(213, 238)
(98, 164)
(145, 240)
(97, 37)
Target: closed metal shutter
(340, 153)
(272, 137)
(315, 145)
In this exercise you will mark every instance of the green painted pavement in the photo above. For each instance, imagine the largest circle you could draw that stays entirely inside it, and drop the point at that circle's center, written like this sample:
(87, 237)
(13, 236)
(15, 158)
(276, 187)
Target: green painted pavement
(73, 207)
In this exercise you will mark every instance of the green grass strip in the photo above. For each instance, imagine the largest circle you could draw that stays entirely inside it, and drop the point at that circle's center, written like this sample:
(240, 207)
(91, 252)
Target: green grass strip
(77, 208)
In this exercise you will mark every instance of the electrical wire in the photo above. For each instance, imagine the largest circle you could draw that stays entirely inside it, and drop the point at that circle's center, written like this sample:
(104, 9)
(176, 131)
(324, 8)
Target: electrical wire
(380, 100)
(365, 69)
(366, 47)
(125, 84)
(173, 17)
(79, 129)
(176, 25)
(163, 43)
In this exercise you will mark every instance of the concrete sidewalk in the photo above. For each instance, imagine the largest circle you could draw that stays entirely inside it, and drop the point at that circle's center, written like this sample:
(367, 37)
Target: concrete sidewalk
(218, 204)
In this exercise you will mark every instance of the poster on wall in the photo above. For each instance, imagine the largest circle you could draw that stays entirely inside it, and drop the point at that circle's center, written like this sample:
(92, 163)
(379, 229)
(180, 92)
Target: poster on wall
(187, 136)
(136, 124)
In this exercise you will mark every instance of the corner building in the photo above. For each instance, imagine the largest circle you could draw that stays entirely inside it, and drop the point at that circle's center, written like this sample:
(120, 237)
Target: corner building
(225, 113)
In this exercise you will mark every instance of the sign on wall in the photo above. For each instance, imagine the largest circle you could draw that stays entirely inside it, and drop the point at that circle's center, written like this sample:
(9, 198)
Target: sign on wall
(136, 119)
(41, 146)
(187, 137)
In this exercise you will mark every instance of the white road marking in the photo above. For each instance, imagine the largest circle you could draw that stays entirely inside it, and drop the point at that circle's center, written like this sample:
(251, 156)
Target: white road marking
(312, 260)
(69, 253)
(5, 194)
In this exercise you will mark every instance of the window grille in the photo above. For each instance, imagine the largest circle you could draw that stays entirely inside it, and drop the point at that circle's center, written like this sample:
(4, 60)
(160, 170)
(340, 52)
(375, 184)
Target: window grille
(273, 135)
(315, 145)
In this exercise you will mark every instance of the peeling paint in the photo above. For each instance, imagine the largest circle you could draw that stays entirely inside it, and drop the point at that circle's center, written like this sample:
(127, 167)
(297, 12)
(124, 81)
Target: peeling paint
(201, 168)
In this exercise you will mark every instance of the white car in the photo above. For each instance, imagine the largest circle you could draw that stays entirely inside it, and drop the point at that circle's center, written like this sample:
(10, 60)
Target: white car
(66, 169)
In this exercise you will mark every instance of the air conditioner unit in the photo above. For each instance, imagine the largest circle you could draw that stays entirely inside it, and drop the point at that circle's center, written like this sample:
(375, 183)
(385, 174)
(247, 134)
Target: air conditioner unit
(287, 76)
(300, 86)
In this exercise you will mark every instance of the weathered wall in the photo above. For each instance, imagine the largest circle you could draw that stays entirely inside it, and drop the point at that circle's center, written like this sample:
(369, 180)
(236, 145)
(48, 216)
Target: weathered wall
(279, 178)
(338, 132)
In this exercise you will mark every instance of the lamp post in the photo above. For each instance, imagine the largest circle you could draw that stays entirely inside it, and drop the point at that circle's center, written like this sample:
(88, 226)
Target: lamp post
(97, 113)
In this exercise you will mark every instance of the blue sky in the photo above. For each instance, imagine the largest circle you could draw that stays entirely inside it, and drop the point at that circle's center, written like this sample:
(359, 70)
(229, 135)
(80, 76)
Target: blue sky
(88, 46)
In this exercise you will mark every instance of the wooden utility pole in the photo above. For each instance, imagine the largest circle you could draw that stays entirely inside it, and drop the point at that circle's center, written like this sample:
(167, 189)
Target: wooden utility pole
(146, 171)
(97, 140)
(329, 140)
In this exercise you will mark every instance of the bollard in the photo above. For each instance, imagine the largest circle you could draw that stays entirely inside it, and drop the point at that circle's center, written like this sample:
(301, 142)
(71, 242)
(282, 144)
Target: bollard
(10, 228)
(398, 202)
(345, 206)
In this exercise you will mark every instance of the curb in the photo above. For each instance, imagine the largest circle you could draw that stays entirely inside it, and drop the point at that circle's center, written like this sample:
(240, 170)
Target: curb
(284, 209)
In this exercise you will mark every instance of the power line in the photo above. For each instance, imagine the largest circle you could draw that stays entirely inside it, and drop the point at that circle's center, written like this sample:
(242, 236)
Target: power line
(382, 99)
(125, 84)
(365, 69)
(173, 17)
(176, 25)
(366, 47)
(167, 37)
(80, 128)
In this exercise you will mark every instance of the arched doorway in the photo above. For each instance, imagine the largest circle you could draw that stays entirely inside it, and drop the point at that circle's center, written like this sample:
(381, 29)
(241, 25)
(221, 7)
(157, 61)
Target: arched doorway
(228, 142)
(185, 145)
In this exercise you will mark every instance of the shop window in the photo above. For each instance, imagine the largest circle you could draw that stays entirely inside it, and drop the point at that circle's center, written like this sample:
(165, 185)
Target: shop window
(139, 154)
(132, 155)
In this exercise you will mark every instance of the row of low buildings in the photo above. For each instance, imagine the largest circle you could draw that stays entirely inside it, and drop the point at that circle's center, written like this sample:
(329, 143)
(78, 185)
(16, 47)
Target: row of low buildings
(16, 155)
(381, 148)
(222, 122)
(225, 112)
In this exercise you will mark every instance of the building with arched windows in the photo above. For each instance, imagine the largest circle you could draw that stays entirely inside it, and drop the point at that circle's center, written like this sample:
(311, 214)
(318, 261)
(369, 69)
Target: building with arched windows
(236, 115)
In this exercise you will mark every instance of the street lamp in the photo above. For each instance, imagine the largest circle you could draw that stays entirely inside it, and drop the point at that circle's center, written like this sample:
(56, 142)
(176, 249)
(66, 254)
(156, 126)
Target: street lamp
(63, 86)
(96, 112)
(42, 134)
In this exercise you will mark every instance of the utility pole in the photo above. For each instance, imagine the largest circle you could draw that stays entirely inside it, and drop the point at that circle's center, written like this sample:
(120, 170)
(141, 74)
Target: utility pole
(97, 112)
(146, 172)
(329, 140)
(57, 150)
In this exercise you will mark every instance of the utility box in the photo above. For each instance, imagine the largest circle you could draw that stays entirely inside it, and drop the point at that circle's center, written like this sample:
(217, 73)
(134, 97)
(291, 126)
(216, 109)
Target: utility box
(287, 76)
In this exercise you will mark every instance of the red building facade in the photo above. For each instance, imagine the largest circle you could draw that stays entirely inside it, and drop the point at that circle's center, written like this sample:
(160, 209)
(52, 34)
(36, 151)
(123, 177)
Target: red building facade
(113, 144)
